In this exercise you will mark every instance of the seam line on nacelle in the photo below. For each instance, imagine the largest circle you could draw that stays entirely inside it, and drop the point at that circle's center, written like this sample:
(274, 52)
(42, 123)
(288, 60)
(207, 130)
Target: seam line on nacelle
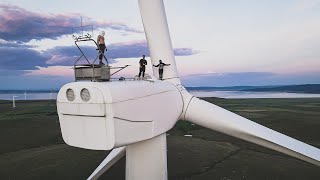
(141, 97)
(82, 115)
(129, 120)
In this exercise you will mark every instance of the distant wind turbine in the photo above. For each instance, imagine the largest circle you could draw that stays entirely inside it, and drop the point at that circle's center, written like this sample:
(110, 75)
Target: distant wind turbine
(13, 101)
(25, 95)
(50, 94)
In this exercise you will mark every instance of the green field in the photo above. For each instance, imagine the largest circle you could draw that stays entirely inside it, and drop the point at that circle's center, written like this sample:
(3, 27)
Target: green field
(32, 146)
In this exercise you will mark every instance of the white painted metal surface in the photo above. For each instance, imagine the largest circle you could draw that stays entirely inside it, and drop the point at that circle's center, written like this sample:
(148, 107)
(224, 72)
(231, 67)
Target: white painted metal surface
(118, 113)
(114, 156)
(147, 159)
(157, 33)
(218, 119)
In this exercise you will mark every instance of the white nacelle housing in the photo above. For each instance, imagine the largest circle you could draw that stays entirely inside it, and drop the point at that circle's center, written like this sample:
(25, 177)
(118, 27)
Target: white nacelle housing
(105, 118)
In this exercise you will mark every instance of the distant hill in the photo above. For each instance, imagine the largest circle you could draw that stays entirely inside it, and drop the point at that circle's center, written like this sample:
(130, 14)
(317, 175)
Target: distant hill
(304, 88)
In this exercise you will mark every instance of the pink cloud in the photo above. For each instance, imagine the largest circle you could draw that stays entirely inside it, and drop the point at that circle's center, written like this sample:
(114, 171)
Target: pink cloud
(18, 24)
(51, 71)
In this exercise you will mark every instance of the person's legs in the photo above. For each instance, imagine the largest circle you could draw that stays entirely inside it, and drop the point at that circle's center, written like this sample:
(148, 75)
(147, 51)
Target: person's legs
(100, 52)
(160, 73)
(140, 70)
(143, 70)
(102, 47)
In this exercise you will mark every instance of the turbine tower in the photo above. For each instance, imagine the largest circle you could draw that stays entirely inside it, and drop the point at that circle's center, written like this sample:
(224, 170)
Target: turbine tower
(25, 95)
(132, 117)
(13, 101)
(50, 96)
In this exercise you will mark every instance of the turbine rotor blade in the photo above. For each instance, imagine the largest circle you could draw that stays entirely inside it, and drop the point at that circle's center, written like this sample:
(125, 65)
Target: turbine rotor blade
(157, 33)
(114, 156)
(216, 118)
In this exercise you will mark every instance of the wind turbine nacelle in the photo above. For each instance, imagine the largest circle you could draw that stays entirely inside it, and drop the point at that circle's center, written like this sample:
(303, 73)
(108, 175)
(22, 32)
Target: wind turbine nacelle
(106, 115)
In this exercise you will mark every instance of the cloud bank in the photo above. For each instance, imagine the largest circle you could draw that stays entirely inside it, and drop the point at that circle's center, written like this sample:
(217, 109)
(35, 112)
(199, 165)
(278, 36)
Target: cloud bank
(19, 57)
(18, 24)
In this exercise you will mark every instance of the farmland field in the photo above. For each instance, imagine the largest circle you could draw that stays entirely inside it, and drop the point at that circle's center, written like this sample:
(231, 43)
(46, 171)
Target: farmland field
(32, 146)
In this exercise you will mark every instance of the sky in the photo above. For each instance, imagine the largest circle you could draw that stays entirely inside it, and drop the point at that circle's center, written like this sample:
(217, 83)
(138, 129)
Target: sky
(216, 42)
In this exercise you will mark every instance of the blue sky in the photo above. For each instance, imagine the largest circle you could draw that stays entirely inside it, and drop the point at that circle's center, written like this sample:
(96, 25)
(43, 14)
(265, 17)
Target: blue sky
(216, 43)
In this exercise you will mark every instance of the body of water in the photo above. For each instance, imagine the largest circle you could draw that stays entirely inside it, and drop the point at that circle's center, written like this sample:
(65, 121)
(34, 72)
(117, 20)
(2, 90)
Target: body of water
(220, 94)
(247, 94)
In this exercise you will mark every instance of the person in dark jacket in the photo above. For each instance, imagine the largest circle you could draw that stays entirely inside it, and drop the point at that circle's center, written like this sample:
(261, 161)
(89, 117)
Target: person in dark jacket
(161, 65)
(143, 63)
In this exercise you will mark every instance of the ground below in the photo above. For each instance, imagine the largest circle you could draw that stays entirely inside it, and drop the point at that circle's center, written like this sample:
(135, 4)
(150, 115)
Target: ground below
(32, 147)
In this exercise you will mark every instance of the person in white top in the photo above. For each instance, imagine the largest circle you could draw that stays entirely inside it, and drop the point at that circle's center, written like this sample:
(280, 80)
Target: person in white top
(102, 46)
